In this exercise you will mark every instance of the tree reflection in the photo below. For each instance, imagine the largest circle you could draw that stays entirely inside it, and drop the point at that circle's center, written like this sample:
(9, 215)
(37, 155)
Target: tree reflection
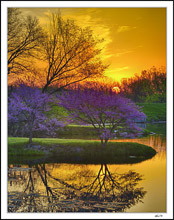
(115, 187)
(104, 191)
(109, 187)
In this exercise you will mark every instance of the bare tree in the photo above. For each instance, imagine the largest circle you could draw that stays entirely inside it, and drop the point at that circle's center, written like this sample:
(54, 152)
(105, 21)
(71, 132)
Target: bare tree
(70, 53)
(102, 191)
(24, 37)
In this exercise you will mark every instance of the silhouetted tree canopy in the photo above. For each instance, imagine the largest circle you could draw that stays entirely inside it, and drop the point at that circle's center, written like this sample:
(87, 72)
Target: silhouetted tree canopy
(103, 191)
(70, 53)
(24, 37)
(149, 86)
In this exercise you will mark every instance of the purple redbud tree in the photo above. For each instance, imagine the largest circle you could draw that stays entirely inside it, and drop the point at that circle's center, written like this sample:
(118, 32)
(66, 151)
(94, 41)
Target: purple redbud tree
(27, 109)
(110, 114)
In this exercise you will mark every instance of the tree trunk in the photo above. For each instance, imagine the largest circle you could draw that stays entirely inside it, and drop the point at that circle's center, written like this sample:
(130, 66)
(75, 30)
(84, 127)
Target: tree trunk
(44, 88)
(104, 142)
(30, 137)
(31, 134)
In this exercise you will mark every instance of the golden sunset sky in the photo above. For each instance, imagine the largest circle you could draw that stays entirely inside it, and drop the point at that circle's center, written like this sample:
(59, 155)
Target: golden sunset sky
(135, 38)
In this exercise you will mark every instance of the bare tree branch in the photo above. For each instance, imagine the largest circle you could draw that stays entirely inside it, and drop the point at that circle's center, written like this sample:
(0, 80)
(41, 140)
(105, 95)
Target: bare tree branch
(70, 53)
(24, 37)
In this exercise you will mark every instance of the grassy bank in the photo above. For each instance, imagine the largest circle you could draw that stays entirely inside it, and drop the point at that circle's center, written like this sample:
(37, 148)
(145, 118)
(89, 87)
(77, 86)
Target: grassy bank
(78, 132)
(17, 147)
(154, 111)
(157, 128)
(86, 151)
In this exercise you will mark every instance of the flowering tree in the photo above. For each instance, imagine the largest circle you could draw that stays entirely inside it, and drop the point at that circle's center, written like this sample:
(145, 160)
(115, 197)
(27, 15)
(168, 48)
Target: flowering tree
(110, 114)
(26, 110)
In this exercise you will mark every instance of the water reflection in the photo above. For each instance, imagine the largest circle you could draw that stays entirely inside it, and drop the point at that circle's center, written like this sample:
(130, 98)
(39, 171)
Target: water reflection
(43, 188)
(60, 187)
(158, 142)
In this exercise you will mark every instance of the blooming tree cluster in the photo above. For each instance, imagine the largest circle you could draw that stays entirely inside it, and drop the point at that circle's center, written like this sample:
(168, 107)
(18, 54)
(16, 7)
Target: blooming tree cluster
(110, 114)
(26, 111)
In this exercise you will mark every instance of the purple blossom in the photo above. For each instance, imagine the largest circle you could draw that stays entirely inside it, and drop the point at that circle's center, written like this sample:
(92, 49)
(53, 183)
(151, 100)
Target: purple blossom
(26, 109)
(106, 112)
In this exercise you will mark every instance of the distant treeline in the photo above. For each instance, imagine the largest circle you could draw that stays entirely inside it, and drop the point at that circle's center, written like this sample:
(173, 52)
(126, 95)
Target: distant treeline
(149, 86)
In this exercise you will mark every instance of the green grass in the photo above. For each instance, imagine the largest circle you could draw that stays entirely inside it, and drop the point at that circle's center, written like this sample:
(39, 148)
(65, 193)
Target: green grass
(154, 111)
(78, 132)
(88, 151)
(56, 111)
(157, 128)
(13, 141)
(16, 146)
(81, 126)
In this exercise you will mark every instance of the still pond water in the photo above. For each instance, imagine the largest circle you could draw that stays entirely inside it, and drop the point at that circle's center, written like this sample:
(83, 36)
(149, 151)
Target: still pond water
(60, 187)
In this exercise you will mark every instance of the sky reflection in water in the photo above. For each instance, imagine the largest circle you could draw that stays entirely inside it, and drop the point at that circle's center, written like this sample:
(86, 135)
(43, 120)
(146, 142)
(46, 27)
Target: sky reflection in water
(55, 187)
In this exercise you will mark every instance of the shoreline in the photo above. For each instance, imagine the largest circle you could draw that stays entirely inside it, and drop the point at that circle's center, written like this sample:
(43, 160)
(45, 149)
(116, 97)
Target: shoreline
(83, 151)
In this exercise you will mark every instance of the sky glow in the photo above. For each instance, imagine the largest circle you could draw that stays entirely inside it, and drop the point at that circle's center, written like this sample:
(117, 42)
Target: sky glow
(134, 38)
